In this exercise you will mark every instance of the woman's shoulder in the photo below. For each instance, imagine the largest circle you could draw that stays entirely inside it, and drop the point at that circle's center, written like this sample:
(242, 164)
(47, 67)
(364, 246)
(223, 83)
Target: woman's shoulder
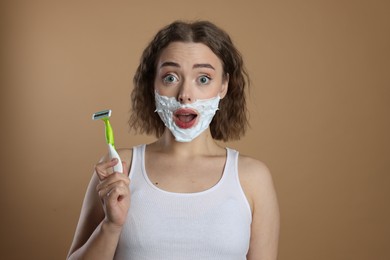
(255, 178)
(252, 168)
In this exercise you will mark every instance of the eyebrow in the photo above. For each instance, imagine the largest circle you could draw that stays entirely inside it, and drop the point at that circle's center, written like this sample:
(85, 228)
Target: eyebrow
(203, 65)
(196, 66)
(169, 64)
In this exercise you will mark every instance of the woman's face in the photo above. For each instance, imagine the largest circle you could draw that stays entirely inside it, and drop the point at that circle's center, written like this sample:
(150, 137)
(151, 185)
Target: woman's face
(188, 72)
(188, 85)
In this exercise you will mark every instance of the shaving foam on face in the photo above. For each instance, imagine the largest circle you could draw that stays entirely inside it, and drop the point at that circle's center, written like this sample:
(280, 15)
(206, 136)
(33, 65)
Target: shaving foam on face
(206, 108)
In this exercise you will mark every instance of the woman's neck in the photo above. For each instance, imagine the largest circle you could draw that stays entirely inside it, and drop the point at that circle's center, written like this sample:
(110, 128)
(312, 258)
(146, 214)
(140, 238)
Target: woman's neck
(204, 144)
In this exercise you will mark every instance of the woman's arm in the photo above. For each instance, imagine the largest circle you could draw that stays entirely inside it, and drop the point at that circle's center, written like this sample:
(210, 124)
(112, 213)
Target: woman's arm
(103, 214)
(259, 188)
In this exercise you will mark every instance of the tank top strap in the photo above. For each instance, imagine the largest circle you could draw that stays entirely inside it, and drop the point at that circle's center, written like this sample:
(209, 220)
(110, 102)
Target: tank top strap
(231, 170)
(137, 159)
(232, 158)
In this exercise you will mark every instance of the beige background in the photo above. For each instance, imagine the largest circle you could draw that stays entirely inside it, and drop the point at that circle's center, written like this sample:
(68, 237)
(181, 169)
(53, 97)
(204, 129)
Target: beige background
(320, 103)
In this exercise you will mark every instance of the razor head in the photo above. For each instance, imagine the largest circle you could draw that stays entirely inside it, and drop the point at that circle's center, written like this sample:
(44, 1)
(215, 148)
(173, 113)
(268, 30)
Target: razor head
(101, 114)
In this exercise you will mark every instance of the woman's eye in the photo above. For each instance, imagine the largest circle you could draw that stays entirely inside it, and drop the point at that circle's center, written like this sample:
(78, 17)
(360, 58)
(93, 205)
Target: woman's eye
(204, 80)
(169, 79)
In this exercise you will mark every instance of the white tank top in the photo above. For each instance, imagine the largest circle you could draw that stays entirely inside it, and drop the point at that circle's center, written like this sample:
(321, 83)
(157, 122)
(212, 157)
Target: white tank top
(212, 224)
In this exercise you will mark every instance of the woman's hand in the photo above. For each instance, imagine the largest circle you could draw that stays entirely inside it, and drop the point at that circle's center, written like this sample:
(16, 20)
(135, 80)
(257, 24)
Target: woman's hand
(114, 192)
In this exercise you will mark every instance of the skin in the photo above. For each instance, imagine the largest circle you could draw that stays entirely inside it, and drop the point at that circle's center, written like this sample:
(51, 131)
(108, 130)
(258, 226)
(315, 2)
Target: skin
(187, 71)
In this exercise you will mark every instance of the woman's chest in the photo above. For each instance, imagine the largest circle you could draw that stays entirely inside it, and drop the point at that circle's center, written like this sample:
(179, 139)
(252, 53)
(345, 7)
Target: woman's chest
(187, 176)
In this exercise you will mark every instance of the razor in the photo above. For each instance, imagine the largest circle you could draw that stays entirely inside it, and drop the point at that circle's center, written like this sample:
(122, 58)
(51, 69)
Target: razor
(105, 115)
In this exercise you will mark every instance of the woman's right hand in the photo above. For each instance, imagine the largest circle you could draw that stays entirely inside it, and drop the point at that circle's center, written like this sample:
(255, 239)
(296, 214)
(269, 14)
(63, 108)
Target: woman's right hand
(114, 192)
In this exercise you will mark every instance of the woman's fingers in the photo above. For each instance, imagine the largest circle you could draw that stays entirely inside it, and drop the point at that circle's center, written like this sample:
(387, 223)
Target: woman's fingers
(111, 182)
(103, 169)
(117, 193)
(113, 191)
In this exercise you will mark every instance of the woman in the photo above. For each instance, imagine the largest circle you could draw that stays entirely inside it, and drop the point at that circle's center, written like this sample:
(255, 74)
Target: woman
(188, 198)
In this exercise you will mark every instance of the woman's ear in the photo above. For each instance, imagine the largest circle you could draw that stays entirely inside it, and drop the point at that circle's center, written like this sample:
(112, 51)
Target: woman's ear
(225, 85)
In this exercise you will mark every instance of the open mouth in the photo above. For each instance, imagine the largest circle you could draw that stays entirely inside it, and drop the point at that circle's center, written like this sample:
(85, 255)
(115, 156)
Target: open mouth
(185, 118)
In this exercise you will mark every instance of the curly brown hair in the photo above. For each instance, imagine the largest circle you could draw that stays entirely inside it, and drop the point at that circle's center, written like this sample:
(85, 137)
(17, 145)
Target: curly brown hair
(230, 121)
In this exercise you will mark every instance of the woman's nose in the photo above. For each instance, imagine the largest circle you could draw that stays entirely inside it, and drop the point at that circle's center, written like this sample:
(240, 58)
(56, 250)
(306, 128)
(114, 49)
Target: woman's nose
(184, 99)
(185, 95)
